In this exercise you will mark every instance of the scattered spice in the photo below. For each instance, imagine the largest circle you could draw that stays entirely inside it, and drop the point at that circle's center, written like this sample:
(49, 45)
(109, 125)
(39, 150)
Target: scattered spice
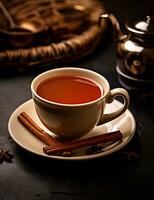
(5, 155)
(67, 154)
(94, 149)
(99, 147)
(131, 155)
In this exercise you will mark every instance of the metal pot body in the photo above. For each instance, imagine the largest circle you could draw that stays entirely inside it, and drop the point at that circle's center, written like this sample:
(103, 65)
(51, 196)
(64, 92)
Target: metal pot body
(135, 58)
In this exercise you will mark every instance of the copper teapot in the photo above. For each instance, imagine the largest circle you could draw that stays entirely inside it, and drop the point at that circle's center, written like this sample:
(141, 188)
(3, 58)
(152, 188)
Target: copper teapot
(135, 50)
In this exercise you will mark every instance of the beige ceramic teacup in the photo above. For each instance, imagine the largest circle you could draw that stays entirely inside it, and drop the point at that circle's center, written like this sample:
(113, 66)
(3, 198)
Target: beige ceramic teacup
(76, 120)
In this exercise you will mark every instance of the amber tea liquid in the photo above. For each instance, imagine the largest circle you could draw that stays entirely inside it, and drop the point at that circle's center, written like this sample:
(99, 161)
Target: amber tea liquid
(69, 90)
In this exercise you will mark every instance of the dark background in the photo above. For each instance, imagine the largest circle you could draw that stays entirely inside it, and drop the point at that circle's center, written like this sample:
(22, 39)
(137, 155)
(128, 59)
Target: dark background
(118, 176)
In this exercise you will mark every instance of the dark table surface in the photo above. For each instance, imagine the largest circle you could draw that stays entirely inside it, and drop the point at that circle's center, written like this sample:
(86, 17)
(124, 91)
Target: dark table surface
(126, 174)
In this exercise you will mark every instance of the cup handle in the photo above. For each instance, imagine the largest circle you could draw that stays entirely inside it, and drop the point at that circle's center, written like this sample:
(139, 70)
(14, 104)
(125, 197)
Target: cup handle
(111, 96)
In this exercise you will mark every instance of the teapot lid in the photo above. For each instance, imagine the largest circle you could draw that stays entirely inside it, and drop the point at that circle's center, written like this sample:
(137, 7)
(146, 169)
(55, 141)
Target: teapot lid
(144, 26)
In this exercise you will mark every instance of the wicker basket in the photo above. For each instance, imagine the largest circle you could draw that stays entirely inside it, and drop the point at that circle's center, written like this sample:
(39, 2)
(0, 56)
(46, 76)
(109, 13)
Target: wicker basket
(79, 40)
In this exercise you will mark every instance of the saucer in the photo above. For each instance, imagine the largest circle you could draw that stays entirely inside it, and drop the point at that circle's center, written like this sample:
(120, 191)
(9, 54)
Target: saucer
(125, 123)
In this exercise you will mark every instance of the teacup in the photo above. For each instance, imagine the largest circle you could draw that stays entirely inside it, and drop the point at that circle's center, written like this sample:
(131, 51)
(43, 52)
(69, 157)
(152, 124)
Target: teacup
(79, 105)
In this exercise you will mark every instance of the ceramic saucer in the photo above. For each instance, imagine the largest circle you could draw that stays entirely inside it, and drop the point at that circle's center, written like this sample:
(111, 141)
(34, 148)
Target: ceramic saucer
(125, 123)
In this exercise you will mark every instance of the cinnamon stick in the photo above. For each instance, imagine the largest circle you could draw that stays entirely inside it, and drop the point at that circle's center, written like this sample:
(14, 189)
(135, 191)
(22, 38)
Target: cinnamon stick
(72, 145)
(36, 130)
(56, 147)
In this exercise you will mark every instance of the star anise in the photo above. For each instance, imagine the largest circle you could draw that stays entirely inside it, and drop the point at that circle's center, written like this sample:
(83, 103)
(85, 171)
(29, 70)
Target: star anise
(5, 155)
(131, 155)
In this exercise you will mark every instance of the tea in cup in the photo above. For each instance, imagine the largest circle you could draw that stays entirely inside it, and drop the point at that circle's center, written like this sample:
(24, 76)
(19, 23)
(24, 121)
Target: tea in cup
(70, 101)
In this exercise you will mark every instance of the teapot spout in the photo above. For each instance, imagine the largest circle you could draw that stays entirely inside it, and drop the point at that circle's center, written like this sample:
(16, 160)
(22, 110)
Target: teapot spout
(115, 24)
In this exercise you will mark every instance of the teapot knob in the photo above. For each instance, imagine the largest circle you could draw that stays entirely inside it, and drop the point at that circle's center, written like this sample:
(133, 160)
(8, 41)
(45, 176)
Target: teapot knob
(149, 19)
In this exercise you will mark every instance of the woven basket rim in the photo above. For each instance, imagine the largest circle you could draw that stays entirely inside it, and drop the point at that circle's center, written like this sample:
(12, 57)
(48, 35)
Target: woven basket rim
(64, 51)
